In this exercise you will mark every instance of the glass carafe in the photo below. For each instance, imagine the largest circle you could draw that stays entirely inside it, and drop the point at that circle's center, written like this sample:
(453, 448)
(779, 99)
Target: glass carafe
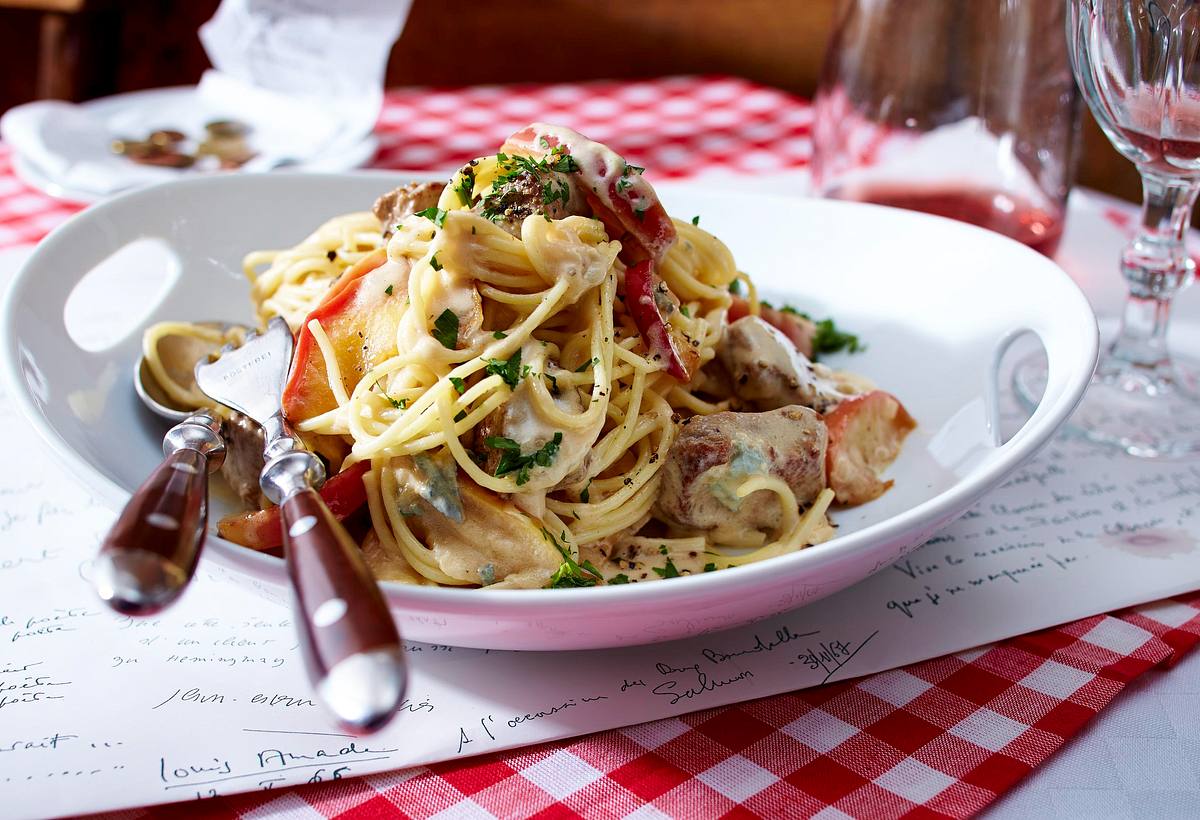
(962, 108)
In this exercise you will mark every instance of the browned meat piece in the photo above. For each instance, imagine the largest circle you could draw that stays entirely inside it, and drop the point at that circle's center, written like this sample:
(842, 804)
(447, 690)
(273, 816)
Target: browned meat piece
(392, 207)
(800, 329)
(767, 369)
(714, 455)
(526, 193)
(243, 457)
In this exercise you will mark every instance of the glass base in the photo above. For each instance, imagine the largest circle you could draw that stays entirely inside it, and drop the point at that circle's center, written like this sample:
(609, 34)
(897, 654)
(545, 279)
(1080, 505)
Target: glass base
(1146, 413)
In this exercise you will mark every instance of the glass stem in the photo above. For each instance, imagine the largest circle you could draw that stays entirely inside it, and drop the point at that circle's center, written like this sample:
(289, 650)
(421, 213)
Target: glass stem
(1157, 266)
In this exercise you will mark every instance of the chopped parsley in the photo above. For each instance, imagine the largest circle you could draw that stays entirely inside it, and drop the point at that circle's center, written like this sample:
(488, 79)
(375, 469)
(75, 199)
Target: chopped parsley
(434, 214)
(399, 404)
(619, 579)
(669, 571)
(460, 415)
(640, 213)
(569, 572)
(466, 186)
(513, 461)
(499, 334)
(631, 169)
(735, 287)
(388, 290)
(434, 263)
(507, 369)
(445, 329)
(696, 219)
(684, 310)
(507, 196)
(827, 338)
(588, 364)
(710, 567)
(585, 493)
(459, 384)
(553, 383)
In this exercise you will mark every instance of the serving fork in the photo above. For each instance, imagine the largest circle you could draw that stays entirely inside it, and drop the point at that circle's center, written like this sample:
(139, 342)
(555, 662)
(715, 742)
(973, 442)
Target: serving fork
(350, 644)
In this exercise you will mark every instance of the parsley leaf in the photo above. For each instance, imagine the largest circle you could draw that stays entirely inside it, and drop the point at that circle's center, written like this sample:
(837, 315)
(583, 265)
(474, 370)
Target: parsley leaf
(669, 571)
(434, 214)
(499, 334)
(585, 493)
(388, 290)
(696, 219)
(828, 339)
(459, 384)
(589, 363)
(445, 329)
(501, 443)
(569, 572)
(508, 369)
(513, 461)
(735, 287)
(710, 567)
(434, 263)
(466, 186)
(684, 310)
(619, 579)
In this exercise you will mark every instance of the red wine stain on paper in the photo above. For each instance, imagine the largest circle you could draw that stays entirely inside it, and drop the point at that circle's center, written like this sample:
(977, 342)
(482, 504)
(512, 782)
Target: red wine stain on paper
(1154, 543)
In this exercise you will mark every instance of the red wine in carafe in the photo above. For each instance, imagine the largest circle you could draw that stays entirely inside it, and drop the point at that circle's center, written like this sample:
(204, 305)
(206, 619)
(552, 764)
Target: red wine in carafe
(999, 211)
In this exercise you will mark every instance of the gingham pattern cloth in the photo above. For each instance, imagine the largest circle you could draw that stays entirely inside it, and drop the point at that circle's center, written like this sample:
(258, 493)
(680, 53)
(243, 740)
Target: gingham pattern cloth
(936, 739)
(674, 126)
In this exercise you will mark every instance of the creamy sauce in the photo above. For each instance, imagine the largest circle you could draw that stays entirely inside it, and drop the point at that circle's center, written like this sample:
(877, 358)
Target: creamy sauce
(569, 258)
(812, 378)
(523, 424)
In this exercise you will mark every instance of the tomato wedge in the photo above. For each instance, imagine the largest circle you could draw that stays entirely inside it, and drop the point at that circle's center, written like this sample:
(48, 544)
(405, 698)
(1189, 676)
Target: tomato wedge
(344, 494)
(359, 314)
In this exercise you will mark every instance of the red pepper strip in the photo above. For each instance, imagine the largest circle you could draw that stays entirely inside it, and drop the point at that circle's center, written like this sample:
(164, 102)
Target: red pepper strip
(344, 494)
(307, 392)
(639, 300)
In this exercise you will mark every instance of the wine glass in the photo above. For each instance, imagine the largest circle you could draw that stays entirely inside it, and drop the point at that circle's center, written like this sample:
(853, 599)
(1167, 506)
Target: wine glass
(1137, 63)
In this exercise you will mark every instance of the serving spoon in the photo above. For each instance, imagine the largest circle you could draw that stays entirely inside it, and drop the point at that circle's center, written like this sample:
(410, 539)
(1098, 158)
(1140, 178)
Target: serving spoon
(150, 554)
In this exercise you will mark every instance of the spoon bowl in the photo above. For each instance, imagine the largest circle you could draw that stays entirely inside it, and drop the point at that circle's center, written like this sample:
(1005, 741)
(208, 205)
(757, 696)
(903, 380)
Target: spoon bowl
(180, 355)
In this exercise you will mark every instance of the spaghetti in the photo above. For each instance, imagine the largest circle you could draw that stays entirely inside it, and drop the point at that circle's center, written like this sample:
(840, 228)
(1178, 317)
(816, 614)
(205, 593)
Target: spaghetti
(515, 365)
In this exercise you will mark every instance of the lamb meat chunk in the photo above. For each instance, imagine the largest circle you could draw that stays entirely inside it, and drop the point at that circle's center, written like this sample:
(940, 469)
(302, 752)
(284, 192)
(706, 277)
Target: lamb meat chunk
(714, 455)
(243, 457)
(767, 369)
(526, 192)
(799, 329)
(394, 206)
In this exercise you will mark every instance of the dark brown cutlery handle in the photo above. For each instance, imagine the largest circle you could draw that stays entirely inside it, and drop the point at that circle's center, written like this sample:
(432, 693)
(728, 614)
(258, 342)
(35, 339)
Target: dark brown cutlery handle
(150, 554)
(348, 637)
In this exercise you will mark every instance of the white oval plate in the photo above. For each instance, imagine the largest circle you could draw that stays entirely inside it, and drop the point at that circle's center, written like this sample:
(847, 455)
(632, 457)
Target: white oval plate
(936, 302)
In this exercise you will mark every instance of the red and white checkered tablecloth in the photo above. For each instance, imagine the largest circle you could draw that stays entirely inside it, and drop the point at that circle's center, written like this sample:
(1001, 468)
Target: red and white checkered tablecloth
(941, 738)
